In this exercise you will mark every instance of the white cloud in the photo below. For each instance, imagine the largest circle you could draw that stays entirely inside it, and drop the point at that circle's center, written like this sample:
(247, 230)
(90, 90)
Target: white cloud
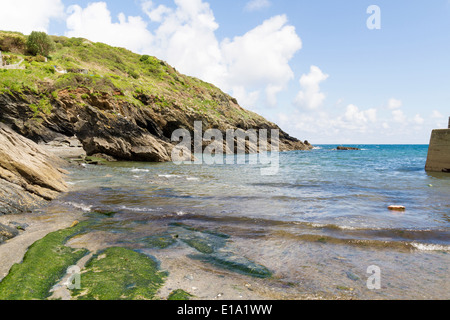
(185, 38)
(260, 58)
(345, 127)
(155, 14)
(310, 96)
(246, 98)
(29, 15)
(394, 103)
(359, 118)
(436, 115)
(418, 119)
(398, 116)
(95, 23)
(255, 5)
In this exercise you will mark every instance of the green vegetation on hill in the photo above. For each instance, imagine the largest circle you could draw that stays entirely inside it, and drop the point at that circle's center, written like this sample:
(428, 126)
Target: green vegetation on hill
(116, 71)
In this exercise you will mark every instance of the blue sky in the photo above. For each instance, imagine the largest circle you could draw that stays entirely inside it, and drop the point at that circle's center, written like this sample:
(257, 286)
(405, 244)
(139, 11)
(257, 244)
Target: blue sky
(313, 67)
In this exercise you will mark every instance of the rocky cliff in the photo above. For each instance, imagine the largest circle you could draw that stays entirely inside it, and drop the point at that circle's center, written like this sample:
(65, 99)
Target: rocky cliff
(119, 104)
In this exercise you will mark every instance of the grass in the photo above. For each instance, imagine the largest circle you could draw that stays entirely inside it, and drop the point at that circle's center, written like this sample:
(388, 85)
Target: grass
(44, 106)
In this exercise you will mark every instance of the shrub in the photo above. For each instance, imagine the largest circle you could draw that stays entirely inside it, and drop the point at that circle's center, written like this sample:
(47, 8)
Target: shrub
(144, 58)
(39, 43)
(40, 58)
(133, 74)
(12, 42)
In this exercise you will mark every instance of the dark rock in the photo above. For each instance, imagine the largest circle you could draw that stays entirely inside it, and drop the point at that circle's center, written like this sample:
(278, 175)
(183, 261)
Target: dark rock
(119, 138)
(18, 226)
(346, 148)
(7, 233)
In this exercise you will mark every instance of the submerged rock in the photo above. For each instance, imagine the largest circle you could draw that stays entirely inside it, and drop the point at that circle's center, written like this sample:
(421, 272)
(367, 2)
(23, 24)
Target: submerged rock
(340, 148)
(232, 262)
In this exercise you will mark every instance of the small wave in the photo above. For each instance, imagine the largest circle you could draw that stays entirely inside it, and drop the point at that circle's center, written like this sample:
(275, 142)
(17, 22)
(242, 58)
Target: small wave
(181, 213)
(84, 207)
(317, 148)
(430, 247)
(192, 179)
(168, 176)
(140, 170)
(135, 209)
(328, 226)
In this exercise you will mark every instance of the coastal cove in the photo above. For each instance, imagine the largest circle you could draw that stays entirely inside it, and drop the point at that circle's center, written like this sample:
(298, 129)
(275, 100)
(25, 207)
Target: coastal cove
(226, 232)
(122, 178)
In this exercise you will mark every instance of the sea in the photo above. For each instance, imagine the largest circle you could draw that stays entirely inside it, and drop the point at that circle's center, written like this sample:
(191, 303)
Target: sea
(321, 224)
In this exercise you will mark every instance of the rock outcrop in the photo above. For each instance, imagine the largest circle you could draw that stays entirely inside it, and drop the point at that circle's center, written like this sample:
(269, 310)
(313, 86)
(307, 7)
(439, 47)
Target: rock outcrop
(340, 148)
(28, 176)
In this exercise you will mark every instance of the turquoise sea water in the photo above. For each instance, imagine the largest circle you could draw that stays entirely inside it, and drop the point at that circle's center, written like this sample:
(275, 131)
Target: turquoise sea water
(323, 215)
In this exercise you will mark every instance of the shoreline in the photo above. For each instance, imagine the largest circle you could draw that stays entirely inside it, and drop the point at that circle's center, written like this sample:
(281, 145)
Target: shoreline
(307, 274)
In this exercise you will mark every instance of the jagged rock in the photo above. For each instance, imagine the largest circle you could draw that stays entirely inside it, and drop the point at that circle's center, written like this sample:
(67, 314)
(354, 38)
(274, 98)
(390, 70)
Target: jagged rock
(120, 138)
(122, 130)
(27, 174)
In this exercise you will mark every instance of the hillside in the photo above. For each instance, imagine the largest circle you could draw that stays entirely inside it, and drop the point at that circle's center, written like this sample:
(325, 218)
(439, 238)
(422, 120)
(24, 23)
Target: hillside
(118, 103)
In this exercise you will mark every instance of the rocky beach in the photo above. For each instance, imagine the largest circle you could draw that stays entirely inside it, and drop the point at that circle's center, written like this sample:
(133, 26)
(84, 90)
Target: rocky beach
(93, 208)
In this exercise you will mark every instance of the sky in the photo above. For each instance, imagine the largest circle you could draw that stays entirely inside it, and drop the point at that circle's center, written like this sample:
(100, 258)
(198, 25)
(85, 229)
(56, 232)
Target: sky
(326, 71)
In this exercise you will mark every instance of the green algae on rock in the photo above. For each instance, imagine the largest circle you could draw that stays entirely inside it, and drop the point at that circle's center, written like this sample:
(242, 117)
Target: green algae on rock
(201, 245)
(44, 264)
(204, 241)
(179, 295)
(206, 231)
(120, 274)
(231, 262)
(161, 241)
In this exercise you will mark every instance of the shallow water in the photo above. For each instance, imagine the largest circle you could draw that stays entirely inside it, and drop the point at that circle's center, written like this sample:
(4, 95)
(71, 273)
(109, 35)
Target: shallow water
(317, 225)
